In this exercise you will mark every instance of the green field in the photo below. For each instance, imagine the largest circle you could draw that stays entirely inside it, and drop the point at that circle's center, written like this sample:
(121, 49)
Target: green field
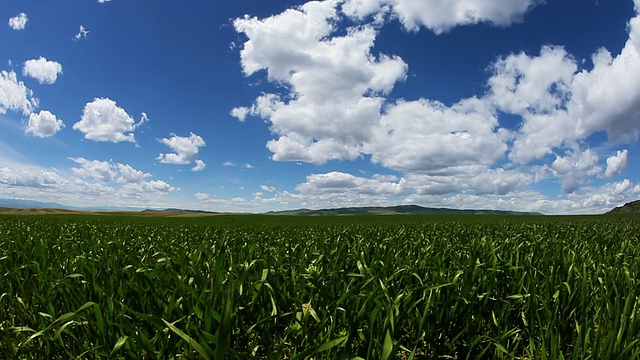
(277, 287)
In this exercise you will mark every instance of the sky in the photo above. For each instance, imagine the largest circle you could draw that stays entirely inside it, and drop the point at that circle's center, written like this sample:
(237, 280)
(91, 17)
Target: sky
(253, 106)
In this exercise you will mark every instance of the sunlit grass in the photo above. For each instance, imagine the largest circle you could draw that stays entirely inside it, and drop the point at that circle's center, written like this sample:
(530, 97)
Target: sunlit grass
(504, 290)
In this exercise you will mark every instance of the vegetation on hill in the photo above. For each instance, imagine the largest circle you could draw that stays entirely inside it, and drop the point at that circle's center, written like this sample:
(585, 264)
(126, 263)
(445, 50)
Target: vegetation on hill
(628, 208)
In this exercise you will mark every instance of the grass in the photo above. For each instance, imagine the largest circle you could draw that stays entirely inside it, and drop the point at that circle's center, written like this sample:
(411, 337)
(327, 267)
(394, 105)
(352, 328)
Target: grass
(271, 287)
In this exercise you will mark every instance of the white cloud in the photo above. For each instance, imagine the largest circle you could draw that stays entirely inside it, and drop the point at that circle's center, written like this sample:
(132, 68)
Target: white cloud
(442, 15)
(469, 179)
(339, 189)
(103, 120)
(43, 124)
(342, 183)
(133, 180)
(562, 106)
(475, 181)
(334, 82)
(14, 95)
(102, 171)
(143, 119)
(587, 201)
(186, 148)
(576, 168)
(31, 177)
(82, 33)
(426, 136)
(200, 165)
(522, 84)
(616, 164)
(202, 196)
(130, 175)
(149, 187)
(87, 185)
(267, 188)
(248, 166)
(535, 88)
(607, 196)
(43, 70)
(607, 98)
(18, 22)
(332, 103)
(228, 163)
(240, 113)
(103, 1)
(294, 147)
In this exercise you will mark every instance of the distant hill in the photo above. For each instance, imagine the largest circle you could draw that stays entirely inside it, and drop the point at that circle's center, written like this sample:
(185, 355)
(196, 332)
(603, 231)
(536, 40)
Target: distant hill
(20, 206)
(628, 208)
(31, 204)
(395, 210)
(174, 210)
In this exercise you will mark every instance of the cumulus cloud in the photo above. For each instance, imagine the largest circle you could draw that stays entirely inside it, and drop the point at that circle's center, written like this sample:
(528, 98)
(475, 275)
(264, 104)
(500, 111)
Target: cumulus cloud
(228, 163)
(575, 169)
(561, 106)
(18, 22)
(14, 95)
(337, 189)
(43, 124)
(200, 165)
(338, 182)
(31, 177)
(333, 100)
(103, 120)
(240, 113)
(426, 136)
(440, 16)
(609, 195)
(133, 180)
(334, 110)
(606, 98)
(149, 187)
(43, 70)
(102, 171)
(335, 82)
(185, 150)
(92, 182)
(535, 88)
(522, 84)
(130, 175)
(616, 164)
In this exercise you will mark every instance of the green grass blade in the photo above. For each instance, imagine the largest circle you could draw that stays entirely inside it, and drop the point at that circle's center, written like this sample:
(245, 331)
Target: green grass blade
(119, 344)
(387, 347)
(194, 344)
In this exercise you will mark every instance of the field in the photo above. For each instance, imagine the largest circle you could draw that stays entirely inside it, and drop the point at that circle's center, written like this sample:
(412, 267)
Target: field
(275, 287)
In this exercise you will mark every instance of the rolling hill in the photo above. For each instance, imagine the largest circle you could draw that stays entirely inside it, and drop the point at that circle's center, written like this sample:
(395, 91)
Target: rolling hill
(628, 208)
(395, 210)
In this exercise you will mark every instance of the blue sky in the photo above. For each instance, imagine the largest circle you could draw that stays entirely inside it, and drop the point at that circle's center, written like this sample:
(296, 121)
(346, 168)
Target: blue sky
(268, 105)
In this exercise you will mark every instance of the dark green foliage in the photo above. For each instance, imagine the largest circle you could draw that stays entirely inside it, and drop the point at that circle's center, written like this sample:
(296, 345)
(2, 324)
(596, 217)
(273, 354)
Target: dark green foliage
(528, 289)
(628, 208)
